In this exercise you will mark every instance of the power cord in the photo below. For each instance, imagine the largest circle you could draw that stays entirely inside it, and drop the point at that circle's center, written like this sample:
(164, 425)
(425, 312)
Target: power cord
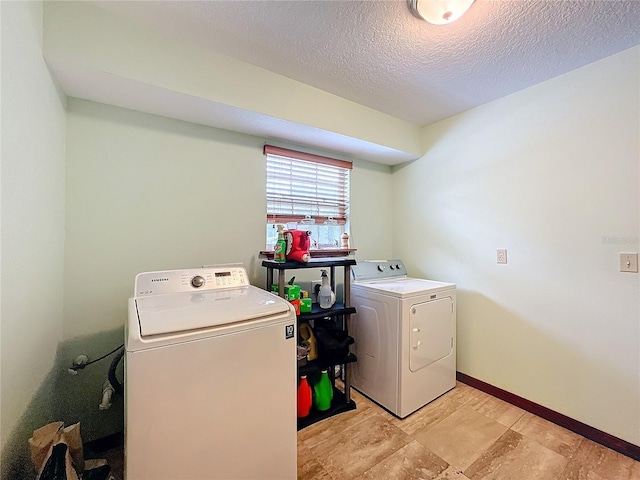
(74, 369)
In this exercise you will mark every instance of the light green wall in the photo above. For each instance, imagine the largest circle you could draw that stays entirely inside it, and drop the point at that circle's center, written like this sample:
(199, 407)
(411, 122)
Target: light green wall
(552, 174)
(32, 238)
(149, 193)
(371, 210)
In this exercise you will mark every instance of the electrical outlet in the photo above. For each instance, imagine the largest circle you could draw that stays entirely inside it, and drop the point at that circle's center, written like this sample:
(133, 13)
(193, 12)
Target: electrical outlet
(80, 361)
(629, 262)
(315, 288)
(502, 255)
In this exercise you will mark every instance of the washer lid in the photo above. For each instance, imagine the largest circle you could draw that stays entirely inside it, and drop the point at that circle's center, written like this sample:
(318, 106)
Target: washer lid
(404, 287)
(180, 312)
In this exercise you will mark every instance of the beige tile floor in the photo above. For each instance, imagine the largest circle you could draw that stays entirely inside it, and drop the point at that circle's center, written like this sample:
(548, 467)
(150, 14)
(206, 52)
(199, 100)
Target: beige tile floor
(464, 435)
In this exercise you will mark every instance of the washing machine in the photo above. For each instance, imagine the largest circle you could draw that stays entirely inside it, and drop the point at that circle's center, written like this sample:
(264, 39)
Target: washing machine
(210, 378)
(405, 336)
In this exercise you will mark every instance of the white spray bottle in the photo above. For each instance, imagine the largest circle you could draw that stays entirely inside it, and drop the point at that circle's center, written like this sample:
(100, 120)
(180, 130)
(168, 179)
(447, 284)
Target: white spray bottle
(326, 298)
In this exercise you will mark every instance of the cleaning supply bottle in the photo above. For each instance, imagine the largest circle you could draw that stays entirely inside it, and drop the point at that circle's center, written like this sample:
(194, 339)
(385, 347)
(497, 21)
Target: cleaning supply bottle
(323, 392)
(280, 248)
(304, 397)
(309, 340)
(326, 297)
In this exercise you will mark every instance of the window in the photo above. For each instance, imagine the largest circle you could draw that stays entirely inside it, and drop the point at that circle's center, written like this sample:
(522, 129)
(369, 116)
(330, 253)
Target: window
(307, 192)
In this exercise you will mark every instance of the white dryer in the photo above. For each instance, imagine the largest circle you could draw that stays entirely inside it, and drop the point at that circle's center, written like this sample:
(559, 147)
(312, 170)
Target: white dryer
(405, 336)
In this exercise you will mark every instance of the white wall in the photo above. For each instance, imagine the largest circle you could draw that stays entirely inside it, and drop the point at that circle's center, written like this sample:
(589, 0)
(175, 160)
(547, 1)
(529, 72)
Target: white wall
(552, 174)
(32, 212)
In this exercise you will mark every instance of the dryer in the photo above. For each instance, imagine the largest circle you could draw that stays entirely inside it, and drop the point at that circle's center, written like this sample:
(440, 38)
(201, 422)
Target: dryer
(405, 336)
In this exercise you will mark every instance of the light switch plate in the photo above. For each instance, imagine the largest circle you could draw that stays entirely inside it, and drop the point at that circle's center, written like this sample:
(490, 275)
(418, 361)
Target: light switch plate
(629, 262)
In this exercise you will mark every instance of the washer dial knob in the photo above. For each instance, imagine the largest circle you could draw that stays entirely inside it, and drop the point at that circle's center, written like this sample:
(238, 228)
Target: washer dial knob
(197, 281)
(381, 268)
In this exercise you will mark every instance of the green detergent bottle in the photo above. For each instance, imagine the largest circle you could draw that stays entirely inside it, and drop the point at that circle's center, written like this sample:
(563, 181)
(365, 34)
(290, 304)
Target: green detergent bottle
(323, 392)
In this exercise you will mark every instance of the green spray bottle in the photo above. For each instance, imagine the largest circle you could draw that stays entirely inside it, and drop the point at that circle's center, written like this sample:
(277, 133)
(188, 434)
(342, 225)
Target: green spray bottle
(280, 248)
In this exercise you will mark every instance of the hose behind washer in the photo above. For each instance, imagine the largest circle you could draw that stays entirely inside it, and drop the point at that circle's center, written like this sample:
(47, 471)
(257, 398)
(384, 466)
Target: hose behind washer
(112, 372)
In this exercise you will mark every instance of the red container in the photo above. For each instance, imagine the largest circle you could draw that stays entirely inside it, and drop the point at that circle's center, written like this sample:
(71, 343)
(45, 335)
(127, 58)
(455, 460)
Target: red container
(298, 243)
(304, 397)
(296, 305)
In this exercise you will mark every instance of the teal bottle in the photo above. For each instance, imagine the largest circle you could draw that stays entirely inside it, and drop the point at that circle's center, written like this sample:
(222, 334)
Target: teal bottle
(323, 392)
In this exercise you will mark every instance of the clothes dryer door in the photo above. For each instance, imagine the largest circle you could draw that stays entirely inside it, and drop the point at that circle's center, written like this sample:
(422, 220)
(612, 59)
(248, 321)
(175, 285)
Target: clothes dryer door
(432, 330)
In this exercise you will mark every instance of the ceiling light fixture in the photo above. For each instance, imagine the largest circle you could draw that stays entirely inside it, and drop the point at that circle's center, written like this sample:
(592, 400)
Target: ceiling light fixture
(439, 12)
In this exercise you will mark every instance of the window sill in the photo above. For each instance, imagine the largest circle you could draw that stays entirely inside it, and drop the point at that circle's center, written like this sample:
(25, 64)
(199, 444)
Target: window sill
(317, 253)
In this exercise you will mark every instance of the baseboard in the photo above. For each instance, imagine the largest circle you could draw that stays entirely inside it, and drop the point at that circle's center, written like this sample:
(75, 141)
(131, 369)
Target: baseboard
(603, 438)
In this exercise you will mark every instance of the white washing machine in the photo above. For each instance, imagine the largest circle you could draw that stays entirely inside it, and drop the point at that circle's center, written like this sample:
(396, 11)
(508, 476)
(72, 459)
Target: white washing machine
(210, 378)
(405, 336)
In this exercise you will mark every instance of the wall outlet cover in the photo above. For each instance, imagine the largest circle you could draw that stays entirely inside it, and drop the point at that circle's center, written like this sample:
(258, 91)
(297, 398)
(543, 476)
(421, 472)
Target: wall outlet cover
(315, 288)
(502, 255)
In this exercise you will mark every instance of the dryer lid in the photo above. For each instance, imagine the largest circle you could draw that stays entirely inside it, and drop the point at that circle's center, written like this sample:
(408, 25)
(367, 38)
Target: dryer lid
(181, 312)
(404, 287)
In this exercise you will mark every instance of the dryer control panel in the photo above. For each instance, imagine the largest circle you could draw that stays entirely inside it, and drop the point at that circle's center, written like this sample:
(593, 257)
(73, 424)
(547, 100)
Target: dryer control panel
(367, 270)
(190, 280)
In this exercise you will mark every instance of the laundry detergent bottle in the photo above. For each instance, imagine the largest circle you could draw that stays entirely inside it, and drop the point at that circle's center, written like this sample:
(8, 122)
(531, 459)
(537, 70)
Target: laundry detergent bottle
(323, 392)
(326, 298)
(305, 398)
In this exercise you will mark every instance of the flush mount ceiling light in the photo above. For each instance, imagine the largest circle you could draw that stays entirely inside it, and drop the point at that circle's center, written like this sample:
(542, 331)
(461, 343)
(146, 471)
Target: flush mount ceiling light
(439, 12)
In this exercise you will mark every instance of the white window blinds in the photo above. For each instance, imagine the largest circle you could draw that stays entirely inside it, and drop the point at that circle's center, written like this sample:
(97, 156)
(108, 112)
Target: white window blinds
(301, 184)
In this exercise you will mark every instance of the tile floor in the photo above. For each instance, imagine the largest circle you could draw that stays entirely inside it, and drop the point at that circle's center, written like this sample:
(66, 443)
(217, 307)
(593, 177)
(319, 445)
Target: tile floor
(464, 435)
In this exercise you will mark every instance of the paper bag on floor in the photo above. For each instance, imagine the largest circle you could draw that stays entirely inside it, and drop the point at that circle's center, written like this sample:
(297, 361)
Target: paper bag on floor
(96, 470)
(56, 452)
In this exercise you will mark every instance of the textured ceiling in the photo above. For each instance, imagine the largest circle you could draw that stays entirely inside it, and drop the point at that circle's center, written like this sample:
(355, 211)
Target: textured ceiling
(377, 54)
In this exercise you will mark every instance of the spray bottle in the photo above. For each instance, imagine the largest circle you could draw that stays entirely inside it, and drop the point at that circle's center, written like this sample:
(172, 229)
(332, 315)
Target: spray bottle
(280, 248)
(326, 298)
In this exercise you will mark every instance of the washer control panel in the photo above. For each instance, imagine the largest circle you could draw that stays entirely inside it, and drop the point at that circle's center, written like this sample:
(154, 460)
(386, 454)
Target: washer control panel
(368, 270)
(190, 280)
